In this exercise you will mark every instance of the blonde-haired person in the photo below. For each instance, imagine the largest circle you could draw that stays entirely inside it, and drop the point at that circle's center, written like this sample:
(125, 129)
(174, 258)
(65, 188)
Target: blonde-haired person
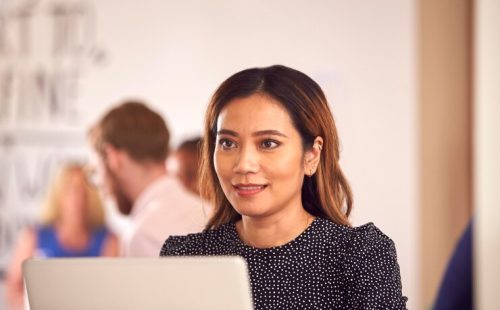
(270, 164)
(72, 225)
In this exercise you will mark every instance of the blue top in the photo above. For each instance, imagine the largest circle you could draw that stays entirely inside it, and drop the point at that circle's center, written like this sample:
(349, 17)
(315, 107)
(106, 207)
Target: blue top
(49, 245)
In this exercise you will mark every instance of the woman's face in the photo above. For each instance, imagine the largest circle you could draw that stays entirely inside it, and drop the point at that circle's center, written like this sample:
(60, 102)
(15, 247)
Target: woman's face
(259, 157)
(73, 203)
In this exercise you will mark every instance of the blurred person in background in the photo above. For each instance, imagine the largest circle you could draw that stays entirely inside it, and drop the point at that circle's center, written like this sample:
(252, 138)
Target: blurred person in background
(457, 290)
(187, 156)
(131, 144)
(72, 225)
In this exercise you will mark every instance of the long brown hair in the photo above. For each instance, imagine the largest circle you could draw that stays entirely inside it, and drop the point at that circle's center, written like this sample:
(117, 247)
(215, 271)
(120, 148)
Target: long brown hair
(327, 193)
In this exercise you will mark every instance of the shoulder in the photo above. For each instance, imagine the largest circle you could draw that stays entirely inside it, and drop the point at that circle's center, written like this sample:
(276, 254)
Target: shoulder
(367, 235)
(101, 231)
(203, 243)
(368, 249)
(111, 245)
(369, 239)
(171, 190)
(41, 229)
(28, 236)
(165, 195)
(171, 203)
(40, 234)
(371, 269)
(363, 248)
(191, 244)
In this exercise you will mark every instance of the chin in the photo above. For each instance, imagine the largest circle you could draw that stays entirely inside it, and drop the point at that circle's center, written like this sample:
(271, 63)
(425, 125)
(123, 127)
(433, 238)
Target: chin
(252, 211)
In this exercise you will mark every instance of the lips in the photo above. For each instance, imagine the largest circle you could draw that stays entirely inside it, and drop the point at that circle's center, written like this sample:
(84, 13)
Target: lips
(246, 190)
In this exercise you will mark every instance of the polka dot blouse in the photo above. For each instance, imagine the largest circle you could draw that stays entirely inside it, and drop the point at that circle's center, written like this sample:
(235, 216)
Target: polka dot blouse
(328, 266)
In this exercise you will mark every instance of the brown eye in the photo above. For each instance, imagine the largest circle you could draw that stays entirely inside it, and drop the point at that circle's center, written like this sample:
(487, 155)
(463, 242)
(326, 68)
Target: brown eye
(227, 144)
(269, 144)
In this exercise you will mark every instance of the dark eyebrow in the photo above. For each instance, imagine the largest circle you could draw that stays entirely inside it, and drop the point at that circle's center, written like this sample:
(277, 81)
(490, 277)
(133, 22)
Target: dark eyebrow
(257, 133)
(269, 133)
(227, 132)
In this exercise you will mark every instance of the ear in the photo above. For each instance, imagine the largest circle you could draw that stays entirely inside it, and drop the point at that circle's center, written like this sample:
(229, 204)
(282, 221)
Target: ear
(113, 157)
(313, 156)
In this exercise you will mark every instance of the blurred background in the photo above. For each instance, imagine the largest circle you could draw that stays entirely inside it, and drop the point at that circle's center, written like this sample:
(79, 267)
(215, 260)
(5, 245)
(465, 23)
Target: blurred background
(413, 85)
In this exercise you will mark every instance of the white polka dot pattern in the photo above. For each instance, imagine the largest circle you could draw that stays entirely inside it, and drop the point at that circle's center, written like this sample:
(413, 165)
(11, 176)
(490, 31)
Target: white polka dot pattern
(328, 266)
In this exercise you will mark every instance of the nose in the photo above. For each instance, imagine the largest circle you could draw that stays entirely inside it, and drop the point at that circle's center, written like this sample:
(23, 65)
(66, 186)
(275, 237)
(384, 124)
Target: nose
(247, 161)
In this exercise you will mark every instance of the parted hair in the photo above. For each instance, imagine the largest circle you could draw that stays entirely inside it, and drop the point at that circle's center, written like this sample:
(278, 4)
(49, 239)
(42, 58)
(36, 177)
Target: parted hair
(327, 193)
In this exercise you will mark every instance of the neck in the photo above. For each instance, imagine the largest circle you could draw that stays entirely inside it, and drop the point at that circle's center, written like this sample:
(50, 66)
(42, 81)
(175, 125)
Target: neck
(72, 228)
(273, 231)
(73, 235)
(144, 177)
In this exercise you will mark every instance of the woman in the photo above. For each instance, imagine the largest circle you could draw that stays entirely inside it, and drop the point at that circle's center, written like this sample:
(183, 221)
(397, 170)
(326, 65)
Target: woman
(72, 226)
(271, 168)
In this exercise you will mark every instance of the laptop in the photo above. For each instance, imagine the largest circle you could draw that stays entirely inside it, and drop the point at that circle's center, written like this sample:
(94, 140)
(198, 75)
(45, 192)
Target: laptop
(177, 283)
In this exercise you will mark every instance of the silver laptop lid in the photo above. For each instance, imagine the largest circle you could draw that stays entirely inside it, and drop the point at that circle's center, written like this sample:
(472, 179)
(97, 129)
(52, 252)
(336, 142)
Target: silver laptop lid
(180, 283)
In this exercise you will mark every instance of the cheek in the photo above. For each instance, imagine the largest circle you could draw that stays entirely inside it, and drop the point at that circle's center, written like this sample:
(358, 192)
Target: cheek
(109, 180)
(223, 166)
(80, 198)
(108, 183)
(287, 167)
(74, 203)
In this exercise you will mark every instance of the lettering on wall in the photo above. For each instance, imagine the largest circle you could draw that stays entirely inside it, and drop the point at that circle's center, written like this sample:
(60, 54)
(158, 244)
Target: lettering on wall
(46, 50)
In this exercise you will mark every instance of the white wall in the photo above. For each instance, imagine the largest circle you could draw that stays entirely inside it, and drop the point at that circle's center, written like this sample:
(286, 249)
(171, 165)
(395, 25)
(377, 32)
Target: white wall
(487, 154)
(175, 53)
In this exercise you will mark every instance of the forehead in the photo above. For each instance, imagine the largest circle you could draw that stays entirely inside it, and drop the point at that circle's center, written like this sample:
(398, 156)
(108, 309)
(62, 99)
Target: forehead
(254, 113)
(75, 176)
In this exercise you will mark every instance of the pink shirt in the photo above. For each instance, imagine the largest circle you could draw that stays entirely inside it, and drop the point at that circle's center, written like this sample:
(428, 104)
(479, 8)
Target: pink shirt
(164, 208)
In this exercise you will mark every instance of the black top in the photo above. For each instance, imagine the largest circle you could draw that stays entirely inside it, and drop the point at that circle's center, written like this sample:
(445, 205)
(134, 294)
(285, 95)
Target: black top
(328, 266)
